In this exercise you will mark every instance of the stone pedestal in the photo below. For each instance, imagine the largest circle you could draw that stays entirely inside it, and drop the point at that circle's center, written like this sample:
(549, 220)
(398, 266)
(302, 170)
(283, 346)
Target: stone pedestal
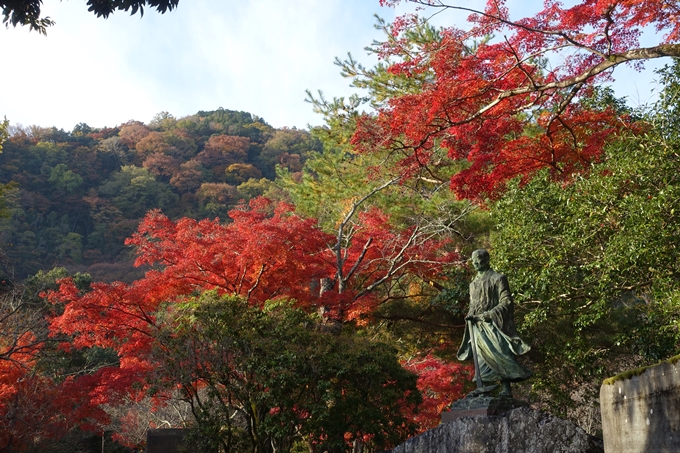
(520, 430)
(481, 405)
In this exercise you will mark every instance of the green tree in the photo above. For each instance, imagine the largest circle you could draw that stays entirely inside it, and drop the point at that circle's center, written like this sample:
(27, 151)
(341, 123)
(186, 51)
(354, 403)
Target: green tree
(283, 144)
(134, 191)
(254, 188)
(71, 246)
(64, 179)
(4, 134)
(593, 263)
(228, 122)
(240, 173)
(261, 380)
(163, 121)
(216, 199)
(339, 186)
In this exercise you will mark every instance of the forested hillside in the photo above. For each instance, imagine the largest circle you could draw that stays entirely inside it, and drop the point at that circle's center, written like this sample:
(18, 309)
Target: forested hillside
(76, 196)
(341, 241)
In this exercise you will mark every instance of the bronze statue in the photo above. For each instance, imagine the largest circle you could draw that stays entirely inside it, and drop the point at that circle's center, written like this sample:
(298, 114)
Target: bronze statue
(490, 333)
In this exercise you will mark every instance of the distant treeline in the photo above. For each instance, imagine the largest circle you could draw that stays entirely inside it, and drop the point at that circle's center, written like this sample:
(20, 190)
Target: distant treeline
(75, 196)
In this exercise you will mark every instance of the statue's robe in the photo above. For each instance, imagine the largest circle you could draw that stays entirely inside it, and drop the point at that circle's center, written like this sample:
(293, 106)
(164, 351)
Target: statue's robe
(497, 340)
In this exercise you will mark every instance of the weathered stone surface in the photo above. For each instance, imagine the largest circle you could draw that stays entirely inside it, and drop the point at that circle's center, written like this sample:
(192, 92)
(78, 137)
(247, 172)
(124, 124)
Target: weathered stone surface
(520, 430)
(642, 413)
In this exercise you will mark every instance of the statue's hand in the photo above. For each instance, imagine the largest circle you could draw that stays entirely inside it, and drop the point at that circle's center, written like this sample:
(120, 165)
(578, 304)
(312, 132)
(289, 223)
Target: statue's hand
(486, 316)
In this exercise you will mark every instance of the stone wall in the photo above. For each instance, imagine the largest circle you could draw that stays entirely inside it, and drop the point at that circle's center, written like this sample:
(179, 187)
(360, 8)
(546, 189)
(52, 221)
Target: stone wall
(518, 431)
(642, 413)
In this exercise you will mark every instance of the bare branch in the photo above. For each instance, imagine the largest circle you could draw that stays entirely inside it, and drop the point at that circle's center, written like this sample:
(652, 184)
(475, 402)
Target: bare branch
(340, 261)
(360, 259)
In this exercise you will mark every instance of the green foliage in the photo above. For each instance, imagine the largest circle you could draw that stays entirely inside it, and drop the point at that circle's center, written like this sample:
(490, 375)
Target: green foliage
(604, 97)
(288, 148)
(64, 179)
(415, 312)
(260, 379)
(71, 246)
(457, 290)
(332, 181)
(164, 121)
(593, 262)
(382, 84)
(668, 108)
(135, 191)
(254, 188)
(223, 121)
(339, 186)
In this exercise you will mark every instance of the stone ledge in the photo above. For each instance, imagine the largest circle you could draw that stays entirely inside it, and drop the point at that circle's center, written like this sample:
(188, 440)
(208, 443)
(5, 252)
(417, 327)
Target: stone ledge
(481, 405)
(520, 430)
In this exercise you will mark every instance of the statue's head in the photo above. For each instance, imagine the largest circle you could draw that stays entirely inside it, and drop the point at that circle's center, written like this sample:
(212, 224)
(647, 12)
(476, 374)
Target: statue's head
(480, 260)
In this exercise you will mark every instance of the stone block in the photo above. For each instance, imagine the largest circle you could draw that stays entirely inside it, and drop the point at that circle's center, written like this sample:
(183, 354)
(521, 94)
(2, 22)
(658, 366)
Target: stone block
(520, 430)
(642, 413)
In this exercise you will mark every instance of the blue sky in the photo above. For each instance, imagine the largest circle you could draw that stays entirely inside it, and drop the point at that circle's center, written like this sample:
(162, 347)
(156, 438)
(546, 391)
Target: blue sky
(257, 56)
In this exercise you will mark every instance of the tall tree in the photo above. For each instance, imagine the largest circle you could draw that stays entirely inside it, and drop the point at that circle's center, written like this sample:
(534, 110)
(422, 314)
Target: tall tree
(347, 191)
(4, 134)
(4, 125)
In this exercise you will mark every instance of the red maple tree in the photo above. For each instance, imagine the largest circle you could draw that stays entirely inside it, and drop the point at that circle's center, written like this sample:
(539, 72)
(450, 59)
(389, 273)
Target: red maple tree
(35, 407)
(490, 95)
(440, 383)
(266, 252)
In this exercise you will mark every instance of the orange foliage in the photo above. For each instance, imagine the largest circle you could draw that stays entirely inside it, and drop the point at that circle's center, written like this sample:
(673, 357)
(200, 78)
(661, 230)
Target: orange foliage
(132, 133)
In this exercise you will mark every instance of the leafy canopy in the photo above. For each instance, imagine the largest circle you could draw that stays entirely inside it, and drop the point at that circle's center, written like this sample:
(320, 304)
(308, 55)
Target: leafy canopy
(488, 94)
(27, 12)
(262, 379)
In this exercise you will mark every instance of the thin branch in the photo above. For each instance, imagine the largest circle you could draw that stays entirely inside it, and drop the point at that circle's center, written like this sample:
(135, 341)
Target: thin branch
(257, 282)
(348, 217)
(360, 259)
(646, 53)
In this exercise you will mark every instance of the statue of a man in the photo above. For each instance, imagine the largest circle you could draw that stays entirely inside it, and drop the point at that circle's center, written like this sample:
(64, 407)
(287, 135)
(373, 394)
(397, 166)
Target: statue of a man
(491, 312)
